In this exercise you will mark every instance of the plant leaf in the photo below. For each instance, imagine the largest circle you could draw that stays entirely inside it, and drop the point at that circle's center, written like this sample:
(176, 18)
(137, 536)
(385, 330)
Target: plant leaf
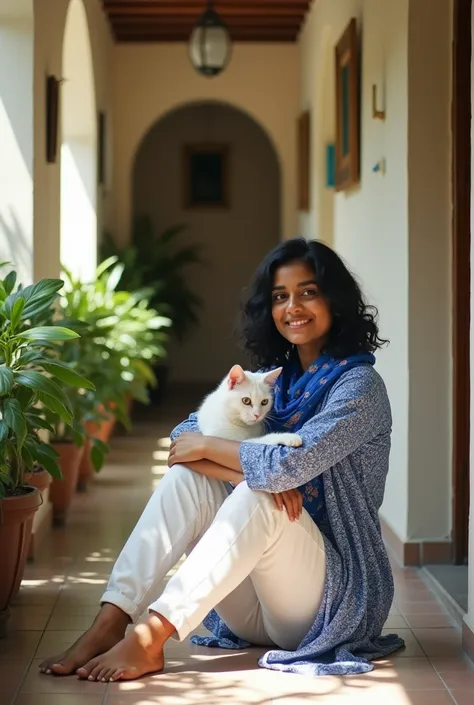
(9, 282)
(66, 374)
(50, 333)
(7, 380)
(4, 430)
(14, 418)
(17, 311)
(39, 383)
(46, 456)
(56, 407)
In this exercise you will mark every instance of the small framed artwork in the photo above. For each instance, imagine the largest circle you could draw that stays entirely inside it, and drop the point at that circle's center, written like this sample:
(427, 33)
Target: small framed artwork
(101, 147)
(347, 109)
(206, 176)
(304, 152)
(52, 118)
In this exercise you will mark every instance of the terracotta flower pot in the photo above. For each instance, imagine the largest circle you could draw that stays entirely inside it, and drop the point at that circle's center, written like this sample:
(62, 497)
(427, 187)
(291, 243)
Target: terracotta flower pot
(62, 491)
(15, 528)
(41, 522)
(86, 469)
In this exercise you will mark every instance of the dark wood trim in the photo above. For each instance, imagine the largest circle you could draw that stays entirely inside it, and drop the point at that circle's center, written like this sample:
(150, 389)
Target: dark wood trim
(461, 184)
(304, 160)
(347, 56)
(209, 148)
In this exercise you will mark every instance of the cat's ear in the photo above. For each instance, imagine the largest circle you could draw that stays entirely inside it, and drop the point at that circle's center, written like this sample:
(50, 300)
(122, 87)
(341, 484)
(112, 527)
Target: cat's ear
(236, 376)
(272, 376)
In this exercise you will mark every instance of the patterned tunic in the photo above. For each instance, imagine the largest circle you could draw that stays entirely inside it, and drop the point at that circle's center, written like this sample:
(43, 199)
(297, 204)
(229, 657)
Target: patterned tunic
(346, 444)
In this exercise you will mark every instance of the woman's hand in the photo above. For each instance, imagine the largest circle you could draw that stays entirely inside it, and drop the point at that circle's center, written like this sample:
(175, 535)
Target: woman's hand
(187, 448)
(292, 501)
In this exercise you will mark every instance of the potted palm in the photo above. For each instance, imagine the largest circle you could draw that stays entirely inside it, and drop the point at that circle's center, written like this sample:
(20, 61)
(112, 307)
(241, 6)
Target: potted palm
(30, 368)
(160, 263)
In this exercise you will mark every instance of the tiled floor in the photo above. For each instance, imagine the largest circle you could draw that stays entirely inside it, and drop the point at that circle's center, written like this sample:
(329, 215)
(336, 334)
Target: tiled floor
(58, 600)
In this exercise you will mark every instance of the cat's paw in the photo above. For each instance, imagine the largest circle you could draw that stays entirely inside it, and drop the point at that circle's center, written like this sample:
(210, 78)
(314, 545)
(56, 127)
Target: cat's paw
(292, 440)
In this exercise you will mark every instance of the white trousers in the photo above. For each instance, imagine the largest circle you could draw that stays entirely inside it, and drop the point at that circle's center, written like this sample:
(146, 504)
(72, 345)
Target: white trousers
(263, 574)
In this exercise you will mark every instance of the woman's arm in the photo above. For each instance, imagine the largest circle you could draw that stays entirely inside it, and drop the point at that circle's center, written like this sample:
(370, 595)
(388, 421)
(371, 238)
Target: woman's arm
(356, 410)
(219, 472)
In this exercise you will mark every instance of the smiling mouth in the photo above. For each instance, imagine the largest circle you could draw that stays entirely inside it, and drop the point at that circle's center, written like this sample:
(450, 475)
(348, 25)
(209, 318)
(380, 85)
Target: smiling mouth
(299, 323)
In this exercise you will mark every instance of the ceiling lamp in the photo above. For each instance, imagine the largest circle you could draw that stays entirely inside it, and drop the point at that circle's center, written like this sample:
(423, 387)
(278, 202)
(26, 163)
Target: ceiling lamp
(210, 43)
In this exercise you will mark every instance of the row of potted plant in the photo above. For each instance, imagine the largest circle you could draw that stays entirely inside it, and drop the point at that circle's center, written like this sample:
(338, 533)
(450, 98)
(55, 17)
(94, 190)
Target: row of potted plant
(71, 359)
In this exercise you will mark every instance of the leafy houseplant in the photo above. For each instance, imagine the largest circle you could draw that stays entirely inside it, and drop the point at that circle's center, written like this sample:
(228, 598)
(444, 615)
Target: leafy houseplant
(120, 339)
(159, 263)
(31, 371)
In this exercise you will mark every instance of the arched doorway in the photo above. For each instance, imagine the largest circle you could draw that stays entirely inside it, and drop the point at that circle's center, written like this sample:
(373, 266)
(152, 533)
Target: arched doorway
(233, 238)
(78, 148)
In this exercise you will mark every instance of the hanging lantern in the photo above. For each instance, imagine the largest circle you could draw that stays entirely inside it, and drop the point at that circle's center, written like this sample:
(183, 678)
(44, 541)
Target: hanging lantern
(210, 43)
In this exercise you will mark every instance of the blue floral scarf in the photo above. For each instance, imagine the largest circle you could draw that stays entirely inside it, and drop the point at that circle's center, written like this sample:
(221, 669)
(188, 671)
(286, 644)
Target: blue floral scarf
(298, 394)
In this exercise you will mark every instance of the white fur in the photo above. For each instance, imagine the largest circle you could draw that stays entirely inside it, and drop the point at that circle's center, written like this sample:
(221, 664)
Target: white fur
(223, 413)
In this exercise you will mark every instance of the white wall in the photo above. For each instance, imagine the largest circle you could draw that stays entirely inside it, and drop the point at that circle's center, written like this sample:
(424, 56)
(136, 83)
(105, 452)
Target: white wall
(150, 80)
(394, 230)
(50, 19)
(233, 240)
(16, 139)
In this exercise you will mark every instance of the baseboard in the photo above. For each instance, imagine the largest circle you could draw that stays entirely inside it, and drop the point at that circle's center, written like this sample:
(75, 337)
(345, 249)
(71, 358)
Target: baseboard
(41, 530)
(416, 553)
(468, 640)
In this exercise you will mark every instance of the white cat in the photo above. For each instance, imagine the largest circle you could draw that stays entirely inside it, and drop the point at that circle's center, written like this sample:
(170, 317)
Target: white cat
(237, 408)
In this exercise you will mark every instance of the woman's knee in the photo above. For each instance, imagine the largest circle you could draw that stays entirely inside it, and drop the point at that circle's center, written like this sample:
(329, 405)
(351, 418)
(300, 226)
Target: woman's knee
(243, 493)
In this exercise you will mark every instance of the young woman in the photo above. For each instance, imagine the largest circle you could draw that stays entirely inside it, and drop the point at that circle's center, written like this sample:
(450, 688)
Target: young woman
(313, 583)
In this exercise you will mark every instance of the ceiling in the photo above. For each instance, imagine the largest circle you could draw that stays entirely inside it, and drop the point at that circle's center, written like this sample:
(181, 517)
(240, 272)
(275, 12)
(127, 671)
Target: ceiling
(173, 20)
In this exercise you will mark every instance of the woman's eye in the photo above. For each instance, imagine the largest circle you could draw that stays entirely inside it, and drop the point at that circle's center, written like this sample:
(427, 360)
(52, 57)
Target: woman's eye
(278, 297)
(264, 402)
(247, 401)
(310, 292)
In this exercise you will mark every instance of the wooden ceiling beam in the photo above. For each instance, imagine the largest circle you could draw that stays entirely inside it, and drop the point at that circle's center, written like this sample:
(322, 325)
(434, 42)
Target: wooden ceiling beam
(227, 12)
(180, 20)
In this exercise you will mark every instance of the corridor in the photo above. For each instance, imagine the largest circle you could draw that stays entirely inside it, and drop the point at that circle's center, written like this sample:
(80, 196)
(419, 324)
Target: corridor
(59, 594)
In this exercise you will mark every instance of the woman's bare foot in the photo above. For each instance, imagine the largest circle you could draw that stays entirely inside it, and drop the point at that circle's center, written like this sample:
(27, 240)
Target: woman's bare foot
(107, 630)
(139, 653)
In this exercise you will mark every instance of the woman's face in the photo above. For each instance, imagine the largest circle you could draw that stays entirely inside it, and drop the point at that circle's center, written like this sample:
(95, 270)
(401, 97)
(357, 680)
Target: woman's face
(300, 312)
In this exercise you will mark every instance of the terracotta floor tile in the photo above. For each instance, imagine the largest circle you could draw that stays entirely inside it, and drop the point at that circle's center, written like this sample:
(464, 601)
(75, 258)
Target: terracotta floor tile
(395, 621)
(425, 621)
(29, 617)
(463, 697)
(62, 621)
(457, 674)
(54, 642)
(59, 699)
(19, 645)
(440, 642)
(412, 647)
(36, 682)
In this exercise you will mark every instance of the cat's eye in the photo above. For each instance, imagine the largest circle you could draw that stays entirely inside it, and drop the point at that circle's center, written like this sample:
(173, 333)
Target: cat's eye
(264, 402)
(247, 401)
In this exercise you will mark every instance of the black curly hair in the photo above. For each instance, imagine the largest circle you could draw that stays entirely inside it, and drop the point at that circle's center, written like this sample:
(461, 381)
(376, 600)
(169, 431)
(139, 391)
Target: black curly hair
(354, 327)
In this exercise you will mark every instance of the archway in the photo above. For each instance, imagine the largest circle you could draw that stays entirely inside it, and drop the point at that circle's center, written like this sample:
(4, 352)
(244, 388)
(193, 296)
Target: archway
(233, 238)
(78, 148)
(16, 136)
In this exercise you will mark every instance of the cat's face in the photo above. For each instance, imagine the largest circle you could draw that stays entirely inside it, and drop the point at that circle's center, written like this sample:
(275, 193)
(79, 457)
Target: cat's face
(250, 394)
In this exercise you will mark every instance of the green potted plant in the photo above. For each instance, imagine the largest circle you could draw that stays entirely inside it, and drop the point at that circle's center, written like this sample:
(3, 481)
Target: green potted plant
(30, 368)
(159, 263)
(121, 337)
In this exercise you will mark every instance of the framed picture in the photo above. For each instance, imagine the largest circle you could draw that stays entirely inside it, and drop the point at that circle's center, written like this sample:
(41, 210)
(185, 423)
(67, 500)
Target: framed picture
(101, 147)
(347, 109)
(206, 176)
(52, 118)
(304, 152)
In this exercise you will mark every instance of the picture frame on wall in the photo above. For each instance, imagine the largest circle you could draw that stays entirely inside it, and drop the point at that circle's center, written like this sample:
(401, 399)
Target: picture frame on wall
(206, 176)
(101, 147)
(347, 147)
(304, 152)
(52, 118)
